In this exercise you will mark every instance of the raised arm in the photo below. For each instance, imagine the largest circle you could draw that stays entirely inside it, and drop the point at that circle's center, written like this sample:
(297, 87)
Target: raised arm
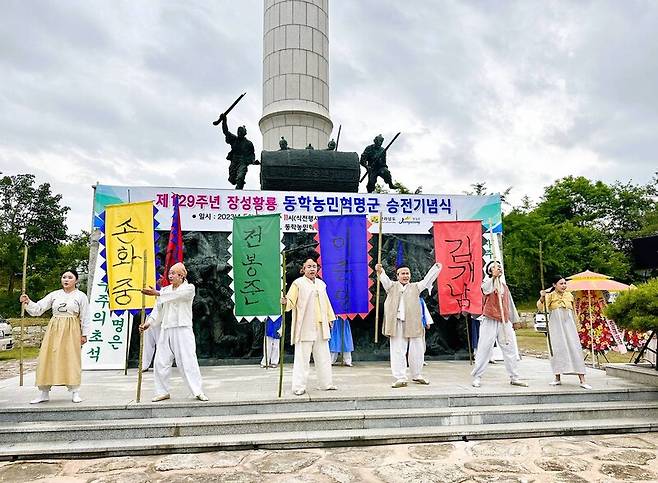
(184, 292)
(383, 278)
(430, 277)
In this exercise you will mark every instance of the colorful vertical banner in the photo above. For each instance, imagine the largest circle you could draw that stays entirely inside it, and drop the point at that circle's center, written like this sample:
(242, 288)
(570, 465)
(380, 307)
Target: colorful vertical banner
(458, 247)
(345, 263)
(106, 345)
(129, 232)
(256, 261)
(175, 244)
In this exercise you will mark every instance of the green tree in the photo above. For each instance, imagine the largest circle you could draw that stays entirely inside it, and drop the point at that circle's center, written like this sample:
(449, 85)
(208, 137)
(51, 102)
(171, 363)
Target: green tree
(30, 215)
(636, 309)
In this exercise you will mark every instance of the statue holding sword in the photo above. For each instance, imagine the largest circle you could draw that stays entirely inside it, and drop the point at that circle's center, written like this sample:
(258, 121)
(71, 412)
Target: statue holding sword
(242, 152)
(374, 160)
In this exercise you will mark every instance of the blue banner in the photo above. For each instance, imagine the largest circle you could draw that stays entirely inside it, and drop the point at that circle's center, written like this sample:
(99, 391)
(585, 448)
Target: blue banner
(344, 262)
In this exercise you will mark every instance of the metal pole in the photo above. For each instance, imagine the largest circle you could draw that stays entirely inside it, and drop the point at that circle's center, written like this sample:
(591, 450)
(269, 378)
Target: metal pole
(591, 327)
(379, 261)
(23, 290)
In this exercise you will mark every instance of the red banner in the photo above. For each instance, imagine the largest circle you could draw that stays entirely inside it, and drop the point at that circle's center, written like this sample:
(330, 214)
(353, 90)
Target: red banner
(458, 247)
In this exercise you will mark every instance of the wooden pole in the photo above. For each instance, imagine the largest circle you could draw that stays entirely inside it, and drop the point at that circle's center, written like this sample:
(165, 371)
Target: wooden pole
(267, 361)
(379, 261)
(282, 341)
(141, 334)
(23, 290)
(541, 276)
(468, 336)
(500, 296)
(128, 334)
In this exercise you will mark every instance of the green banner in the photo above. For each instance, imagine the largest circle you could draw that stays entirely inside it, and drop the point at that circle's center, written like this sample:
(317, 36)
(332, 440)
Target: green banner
(257, 265)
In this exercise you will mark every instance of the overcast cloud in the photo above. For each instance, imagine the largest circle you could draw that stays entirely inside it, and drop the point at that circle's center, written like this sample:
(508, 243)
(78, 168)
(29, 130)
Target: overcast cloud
(511, 93)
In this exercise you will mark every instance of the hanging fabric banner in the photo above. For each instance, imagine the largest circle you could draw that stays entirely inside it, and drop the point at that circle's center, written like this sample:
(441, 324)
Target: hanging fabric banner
(129, 231)
(256, 260)
(458, 247)
(345, 262)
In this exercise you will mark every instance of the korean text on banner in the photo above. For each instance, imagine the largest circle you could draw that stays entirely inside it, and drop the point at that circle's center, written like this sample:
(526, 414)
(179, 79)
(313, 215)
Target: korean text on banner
(458, 247)
(128, 233)
(257, 265)
(344, 262)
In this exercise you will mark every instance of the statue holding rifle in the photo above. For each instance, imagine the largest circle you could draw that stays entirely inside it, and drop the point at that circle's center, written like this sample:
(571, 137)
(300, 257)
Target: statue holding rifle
(374, 160)
(242, 152)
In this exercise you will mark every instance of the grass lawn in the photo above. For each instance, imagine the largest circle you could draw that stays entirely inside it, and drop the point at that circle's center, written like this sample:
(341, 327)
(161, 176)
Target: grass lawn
(533, 342)
(28, 353)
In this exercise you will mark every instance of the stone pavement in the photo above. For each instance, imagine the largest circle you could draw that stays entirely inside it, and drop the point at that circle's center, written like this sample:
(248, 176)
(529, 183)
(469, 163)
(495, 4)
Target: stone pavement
(250, 382)
(600, 458)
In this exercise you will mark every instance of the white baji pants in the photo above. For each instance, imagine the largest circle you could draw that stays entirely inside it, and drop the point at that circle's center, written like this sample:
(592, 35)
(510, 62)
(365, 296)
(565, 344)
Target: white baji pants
(177, 343)
(400, 346)
(490, 332)
(151, 337)
(271, 348)
(347, 357)
(302, 363)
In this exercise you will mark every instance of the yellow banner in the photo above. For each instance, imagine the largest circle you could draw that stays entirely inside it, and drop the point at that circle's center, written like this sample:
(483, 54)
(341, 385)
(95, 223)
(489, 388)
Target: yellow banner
(128, 233)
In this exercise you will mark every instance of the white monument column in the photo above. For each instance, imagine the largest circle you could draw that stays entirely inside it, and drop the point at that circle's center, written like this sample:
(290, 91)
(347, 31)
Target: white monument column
(296, 74)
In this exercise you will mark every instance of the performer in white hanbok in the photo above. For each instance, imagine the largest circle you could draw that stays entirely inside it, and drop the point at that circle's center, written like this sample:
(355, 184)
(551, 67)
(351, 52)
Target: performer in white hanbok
(312, 317)
(567, 351)
(495, 326)
(173, 313)
(60, 361)
(403, 323)
(272, 342)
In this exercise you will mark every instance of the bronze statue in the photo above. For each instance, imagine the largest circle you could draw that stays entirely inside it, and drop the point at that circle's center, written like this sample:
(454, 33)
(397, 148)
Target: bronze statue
(374, 160)
(309, 146)
(241, 154)
(331, 146)
(283, 144)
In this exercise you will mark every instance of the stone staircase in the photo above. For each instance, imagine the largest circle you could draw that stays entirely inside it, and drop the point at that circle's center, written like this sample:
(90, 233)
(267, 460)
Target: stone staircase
(114, 430)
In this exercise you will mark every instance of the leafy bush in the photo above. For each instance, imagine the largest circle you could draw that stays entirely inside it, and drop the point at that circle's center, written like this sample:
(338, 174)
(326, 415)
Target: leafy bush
(636, 309)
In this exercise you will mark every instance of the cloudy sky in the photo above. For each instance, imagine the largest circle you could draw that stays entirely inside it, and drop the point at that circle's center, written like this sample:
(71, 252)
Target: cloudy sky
(512, 93)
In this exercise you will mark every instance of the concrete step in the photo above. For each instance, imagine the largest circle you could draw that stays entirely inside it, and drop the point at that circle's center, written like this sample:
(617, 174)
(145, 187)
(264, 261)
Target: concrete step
(645, 374)
(176, 427)
(306, 403)
(307, 439)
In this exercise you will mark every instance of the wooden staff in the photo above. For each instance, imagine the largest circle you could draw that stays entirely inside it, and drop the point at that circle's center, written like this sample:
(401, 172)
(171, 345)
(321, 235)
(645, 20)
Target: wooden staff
(128, 337)
(468, 336)
(267, 362)
(23, 290)
(500, 296)
(541, 276)
(141, 334)
(282, 341)
(379, 261)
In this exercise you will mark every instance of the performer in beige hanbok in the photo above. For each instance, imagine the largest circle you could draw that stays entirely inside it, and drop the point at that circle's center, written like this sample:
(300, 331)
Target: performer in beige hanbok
(312, 317)
(60, 362)
(403, 323)
(567, 352)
